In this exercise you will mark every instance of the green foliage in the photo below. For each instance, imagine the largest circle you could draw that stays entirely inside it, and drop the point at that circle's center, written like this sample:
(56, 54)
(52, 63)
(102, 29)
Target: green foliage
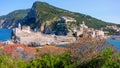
(9, 62)
(51, 61)
(14, 17)
(46, 61)
(105, 60)
(110, 60)
(17, 14)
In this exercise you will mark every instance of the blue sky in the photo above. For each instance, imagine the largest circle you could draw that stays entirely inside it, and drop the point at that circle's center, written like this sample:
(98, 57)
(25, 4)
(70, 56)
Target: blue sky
(106, 10)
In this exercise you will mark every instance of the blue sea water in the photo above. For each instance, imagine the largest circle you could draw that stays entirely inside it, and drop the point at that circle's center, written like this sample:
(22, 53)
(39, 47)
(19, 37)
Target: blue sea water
(5, 34)
(116, 43)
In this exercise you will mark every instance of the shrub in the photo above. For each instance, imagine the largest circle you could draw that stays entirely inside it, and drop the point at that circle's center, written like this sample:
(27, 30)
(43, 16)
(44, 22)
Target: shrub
(9, 62)
(105, 60)
(52, 61)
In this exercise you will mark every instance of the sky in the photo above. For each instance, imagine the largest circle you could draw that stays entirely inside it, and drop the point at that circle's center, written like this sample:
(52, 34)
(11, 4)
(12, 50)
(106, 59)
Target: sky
(106, 10)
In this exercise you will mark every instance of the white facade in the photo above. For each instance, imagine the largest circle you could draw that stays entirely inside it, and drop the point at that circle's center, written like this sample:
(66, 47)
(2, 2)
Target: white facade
(93, 34)
(17, 30)
(21, 29)
(100, 34)
(26, 29)
(83, 25)
(19, 26)
(67, 19)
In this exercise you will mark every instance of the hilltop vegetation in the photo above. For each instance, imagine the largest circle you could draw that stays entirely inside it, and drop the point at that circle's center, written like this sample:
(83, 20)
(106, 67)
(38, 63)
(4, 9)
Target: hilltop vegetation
(12, 19)
(43, 13)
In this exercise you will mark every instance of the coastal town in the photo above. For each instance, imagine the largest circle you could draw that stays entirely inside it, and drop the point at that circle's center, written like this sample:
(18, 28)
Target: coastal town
(24, 34)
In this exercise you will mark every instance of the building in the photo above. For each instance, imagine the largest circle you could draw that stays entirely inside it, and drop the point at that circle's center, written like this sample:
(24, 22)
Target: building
(82, 30)
(83, 26)
(21, 29)
(18, 29)
(112, 27)
(93, 34)
(19, 26)
(100, 34)
(26, 29)
(67, 19)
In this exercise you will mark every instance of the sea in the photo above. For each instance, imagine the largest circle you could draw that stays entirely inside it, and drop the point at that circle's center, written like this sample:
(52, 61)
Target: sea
(116, 43)
(5, 34)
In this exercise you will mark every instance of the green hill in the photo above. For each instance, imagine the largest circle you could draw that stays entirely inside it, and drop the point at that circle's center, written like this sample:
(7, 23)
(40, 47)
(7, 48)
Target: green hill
(43, 13)
(12, 19)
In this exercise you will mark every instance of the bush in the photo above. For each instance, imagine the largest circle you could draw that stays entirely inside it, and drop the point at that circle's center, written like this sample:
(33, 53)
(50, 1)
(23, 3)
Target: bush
(105, 60)
(52, 61)
(9, 62)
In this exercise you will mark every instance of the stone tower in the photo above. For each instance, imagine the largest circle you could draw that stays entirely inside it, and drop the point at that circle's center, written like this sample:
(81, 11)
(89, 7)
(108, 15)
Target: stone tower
(19, 26)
